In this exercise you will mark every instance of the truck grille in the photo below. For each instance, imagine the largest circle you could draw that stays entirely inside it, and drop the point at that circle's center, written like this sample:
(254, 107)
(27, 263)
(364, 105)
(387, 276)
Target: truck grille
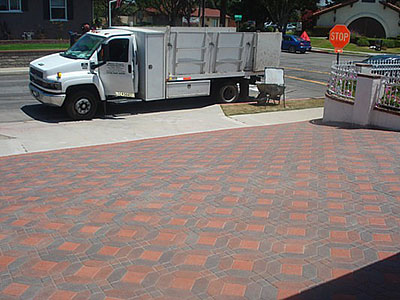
(35, 72)
(36, 80)
(51, 85)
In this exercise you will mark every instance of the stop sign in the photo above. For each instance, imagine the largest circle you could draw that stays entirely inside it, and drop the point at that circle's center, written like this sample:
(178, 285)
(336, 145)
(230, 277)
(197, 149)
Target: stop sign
(339, 36)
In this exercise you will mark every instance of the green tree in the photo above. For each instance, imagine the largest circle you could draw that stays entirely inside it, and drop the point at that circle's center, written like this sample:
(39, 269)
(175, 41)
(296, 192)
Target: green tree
(173, 9)
(280, 11)
(250, 10)
(128, 7)
(226, 7)
(188, 7)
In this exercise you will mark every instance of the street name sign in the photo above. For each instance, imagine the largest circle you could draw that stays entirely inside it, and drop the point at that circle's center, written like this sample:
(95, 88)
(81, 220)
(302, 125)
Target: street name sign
(238, 18)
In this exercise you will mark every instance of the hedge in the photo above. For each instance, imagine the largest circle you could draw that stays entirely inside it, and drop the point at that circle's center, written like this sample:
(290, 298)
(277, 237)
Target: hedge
(362, 42)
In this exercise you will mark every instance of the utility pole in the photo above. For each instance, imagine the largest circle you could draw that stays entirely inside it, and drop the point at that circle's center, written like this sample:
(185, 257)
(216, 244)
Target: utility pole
(109, 12)
(203, 10)
(222, 13)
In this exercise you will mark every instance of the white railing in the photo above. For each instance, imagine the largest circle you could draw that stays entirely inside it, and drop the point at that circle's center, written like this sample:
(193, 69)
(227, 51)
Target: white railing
(343, 80)
(389, 96)
(385, 67)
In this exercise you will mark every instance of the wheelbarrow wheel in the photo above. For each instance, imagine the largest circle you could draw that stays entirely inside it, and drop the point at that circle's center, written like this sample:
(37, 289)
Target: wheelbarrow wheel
(229, 92)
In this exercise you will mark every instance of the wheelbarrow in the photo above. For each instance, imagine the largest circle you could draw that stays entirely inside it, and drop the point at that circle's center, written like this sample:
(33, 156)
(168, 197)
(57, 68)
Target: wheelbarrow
(272, 88)
(268, 91)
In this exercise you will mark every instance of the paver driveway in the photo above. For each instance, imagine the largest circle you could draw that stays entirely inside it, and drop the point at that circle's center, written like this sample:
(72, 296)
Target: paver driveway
(260, 212)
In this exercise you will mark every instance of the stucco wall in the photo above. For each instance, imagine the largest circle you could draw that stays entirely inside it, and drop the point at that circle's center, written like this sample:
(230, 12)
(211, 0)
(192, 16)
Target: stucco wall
(33, 20)
(345, 15)
(384, 119)
(337, 111)
(340, 111)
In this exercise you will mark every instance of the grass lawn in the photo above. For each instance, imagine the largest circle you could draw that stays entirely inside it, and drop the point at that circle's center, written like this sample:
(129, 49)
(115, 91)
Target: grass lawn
(254, 108)
(32, 46)
(324, 43)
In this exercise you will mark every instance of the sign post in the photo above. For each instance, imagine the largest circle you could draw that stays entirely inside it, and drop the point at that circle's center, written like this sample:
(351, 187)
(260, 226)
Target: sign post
(339, 36)
(109, 9)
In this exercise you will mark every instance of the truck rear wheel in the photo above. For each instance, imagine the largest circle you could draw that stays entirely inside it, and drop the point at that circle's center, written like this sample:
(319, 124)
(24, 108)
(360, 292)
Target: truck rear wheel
(81, 105)
(229, 92)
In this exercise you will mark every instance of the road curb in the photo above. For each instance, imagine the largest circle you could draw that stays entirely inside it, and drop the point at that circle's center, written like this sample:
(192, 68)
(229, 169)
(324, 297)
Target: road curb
(21, 70)
(350, 53)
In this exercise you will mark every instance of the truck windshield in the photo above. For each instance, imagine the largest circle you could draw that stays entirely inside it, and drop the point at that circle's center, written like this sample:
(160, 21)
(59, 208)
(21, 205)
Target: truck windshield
(84, 47)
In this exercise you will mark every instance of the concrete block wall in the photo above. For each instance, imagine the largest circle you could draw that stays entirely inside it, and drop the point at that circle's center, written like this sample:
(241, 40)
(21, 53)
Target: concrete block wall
(12, 59)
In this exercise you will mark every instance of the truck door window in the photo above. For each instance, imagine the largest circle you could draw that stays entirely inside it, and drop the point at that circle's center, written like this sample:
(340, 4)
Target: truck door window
(119, 50)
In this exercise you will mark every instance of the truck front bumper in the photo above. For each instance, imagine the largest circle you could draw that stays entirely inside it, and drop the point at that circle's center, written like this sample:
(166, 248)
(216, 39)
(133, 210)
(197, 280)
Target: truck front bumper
(47, 98)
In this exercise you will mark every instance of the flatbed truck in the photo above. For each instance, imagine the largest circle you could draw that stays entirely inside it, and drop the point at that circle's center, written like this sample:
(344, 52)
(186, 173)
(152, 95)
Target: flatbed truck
(148, 64)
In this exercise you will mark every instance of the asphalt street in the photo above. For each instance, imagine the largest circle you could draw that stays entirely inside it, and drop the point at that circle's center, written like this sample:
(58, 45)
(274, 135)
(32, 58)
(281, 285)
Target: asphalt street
(306, 77)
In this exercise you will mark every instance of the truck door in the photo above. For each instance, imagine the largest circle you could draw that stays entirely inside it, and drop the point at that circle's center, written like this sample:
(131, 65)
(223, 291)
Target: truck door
(118, 73)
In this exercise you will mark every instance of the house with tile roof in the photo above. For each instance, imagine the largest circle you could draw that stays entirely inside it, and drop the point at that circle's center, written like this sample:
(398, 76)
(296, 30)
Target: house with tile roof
(211, 18)
(151, 16)
(371, 18)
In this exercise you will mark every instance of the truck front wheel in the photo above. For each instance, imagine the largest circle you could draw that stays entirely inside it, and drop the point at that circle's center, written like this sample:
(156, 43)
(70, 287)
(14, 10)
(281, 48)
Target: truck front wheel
(229, 93)
(81, 105)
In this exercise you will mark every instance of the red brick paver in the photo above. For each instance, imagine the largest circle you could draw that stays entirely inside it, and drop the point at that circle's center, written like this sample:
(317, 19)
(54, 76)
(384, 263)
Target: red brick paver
(256, 213)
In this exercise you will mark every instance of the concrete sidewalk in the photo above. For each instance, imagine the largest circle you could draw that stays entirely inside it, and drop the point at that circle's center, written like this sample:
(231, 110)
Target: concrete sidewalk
(35, 136)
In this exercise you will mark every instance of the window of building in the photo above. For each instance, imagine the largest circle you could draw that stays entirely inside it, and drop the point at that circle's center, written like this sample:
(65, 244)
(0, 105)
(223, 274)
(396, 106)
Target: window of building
(58, 10)
(10, 5)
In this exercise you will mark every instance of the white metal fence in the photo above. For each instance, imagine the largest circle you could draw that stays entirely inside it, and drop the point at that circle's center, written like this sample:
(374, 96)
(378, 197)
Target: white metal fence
(385, 67)
(343, 81)
(389, 95)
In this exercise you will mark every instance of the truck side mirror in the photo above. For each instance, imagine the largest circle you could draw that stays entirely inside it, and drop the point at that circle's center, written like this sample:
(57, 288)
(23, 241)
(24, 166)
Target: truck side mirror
(102, 57)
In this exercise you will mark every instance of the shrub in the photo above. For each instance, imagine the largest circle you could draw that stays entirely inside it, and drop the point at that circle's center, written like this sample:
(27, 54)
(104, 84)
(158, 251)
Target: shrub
(354, 36)
(270, 29)
(389, 43)
(362, 42)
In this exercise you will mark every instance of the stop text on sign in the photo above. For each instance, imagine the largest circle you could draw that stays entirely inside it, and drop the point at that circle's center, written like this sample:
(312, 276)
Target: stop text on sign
(339, 36)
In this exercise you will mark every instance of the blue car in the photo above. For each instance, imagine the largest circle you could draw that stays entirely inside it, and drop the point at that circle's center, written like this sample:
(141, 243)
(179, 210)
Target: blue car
(294, 43)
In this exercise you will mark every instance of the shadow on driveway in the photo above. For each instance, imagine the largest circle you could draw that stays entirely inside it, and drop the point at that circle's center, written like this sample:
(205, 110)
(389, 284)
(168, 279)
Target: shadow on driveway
(342, 125)
(380, 280)
(51, 114)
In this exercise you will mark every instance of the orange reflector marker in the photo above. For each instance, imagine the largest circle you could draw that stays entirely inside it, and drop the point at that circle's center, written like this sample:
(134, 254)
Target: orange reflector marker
(187, 78)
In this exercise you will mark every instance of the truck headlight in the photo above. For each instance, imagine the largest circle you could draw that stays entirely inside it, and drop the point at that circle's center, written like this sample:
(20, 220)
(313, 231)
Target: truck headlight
(52, 85)
(56, 85)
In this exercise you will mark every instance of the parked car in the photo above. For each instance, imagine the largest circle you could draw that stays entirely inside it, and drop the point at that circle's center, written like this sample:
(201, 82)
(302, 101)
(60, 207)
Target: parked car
(291, 26)
(294, 43)
(270, 24)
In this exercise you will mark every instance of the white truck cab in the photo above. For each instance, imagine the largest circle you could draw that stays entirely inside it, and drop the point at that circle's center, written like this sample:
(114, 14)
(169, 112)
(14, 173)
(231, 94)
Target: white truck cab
(151, 64)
